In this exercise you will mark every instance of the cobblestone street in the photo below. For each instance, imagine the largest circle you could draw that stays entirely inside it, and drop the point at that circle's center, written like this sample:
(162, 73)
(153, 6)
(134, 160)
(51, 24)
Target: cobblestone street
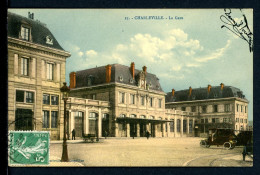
(152, 152)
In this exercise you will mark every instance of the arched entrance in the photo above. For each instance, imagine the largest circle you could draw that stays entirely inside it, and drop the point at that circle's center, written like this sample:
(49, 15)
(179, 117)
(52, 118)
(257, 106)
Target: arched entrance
(93, 123)
(79, 117)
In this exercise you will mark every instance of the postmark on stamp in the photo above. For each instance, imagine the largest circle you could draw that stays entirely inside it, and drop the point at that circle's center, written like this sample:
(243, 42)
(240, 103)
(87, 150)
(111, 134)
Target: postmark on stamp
(28, 147)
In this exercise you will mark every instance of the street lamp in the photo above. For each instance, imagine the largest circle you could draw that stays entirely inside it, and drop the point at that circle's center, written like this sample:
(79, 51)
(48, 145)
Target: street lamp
(65, 93)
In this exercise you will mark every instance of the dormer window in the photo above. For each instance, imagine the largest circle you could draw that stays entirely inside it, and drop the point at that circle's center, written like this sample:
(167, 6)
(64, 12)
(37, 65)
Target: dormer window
(25, 33)
(49, 40)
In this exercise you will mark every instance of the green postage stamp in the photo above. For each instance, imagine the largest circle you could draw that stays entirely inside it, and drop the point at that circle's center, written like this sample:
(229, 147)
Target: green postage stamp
(28, 147)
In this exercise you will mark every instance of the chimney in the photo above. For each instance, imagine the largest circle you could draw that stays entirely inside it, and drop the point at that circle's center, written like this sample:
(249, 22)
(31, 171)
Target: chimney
(222, 86)
(108, 73)
(209, 88)
(190, 90)
(72, 80)
(133, 70)
(30, 15)
(144, 69)
(173, 91)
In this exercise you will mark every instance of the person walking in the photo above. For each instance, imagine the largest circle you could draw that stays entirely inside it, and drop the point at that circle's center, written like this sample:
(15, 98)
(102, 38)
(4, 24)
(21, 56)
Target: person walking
(73, 134)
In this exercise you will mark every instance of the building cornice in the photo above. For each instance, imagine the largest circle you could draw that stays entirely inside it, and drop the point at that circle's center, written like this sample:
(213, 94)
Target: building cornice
(209, 100)
(37, 47)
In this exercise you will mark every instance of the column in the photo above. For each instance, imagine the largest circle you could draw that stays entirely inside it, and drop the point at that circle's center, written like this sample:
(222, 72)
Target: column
(181, 125)
(86, 131)
(116, 129)
(168, 128)
(163, 130)
(99, 122)
(188, 126)
(138, 130)
(155, 130)
(175, 126)
(127, 130)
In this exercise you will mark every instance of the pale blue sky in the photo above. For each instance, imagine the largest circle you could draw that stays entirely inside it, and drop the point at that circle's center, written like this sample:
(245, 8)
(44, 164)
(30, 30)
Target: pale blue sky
(194, 51)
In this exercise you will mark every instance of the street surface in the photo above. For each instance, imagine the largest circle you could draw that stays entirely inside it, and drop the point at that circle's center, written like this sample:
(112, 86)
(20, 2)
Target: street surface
(153, 152)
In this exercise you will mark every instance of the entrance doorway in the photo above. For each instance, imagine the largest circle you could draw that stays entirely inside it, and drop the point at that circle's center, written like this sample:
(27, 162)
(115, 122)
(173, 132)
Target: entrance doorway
(105, 125)
(93, 123)
(142, 129)
(152, 130)
(23, 119)
(79, 123)
(133, 130)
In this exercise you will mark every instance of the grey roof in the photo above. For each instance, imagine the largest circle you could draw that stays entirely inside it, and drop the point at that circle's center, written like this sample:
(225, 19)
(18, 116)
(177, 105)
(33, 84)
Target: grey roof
(39, 31)
(202, 94)
(119, 73)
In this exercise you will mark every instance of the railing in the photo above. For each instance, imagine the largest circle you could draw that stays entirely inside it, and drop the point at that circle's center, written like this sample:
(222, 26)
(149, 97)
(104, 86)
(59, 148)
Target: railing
(82, 101)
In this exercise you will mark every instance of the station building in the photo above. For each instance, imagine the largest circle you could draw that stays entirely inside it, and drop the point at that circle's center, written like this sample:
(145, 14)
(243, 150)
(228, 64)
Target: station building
(214, 106)
(36, 71)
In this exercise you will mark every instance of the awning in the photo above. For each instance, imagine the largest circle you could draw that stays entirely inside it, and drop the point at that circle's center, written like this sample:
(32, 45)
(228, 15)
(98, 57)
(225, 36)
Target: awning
(143, 120)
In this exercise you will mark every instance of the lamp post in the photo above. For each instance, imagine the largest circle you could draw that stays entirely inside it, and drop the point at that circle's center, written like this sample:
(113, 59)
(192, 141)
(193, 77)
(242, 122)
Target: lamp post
(65, 93)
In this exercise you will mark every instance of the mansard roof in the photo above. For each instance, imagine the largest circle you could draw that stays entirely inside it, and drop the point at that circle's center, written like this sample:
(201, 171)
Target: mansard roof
(39, 31)
(203, 94)
(119, 74)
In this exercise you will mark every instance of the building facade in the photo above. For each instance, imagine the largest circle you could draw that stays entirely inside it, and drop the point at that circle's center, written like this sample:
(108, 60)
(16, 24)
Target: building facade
(136, 102)
(214, 107)
(36, 71)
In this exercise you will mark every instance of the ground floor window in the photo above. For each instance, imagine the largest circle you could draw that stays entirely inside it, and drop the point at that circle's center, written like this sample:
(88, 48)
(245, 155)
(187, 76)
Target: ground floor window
(23, 119)
(190, 126)
(54, 119)
(178, 125)
(184, 125)
(46, 119)
(172, 126)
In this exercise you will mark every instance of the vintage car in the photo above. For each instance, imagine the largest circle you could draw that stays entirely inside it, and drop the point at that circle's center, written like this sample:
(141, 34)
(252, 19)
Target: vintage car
(220, 136)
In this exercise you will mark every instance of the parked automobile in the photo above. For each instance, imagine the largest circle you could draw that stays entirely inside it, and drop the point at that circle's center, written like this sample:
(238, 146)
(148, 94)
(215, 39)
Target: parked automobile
(220, 136)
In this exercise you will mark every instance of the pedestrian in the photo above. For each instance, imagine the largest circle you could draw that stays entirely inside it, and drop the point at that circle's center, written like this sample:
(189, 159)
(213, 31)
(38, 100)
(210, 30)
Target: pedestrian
(105, 134)
(134, 135)
(147, 134)
(73, 134)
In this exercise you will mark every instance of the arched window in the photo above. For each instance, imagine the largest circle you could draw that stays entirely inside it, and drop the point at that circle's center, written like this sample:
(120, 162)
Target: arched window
(160, 118)
(92, 115)
(151, 117)
(132, 116)
(105, 116)
(122, 115)
(142, 116)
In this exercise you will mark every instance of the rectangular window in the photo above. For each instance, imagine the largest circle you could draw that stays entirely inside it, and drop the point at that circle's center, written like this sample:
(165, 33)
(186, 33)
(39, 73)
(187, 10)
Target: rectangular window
(245, 108)
(202, 121)
(160, 103)
(25, 33)
(151, 102)
(241, 108)
(54, 100)
(172, 126)
(54, 119)
(29, 97)
(19, 96)
(213, 120)
(142, 100)
(204, 109)
(46, 119)
(50, 71)
(237, 107)
(46, 99)
(132, 99)
(206, 120)
(193, 109)
(178, 125)
(227, 107)
(241, 120)
(184, 125)
(190, 126)
(217, 120)
(215, 108)
(121, 97)
(245, 120)
(183, 108)
(225, 120)
(25, 66)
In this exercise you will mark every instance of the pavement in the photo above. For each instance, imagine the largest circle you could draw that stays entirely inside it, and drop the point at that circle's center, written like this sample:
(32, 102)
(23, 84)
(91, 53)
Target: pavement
(134, 152)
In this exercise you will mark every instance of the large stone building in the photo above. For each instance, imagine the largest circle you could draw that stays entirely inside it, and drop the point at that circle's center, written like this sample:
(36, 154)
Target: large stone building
(36, 70)
(136, 103)
(214, 107)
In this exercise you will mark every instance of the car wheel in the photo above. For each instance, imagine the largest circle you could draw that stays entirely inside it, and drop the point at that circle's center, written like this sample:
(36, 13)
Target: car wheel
(227, 145)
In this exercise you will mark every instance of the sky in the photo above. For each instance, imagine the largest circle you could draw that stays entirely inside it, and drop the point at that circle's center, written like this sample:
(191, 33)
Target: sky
(183, 47)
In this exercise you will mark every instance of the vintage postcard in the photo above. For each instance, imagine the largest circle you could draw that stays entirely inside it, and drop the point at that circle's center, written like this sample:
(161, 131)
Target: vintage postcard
(130, 87)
